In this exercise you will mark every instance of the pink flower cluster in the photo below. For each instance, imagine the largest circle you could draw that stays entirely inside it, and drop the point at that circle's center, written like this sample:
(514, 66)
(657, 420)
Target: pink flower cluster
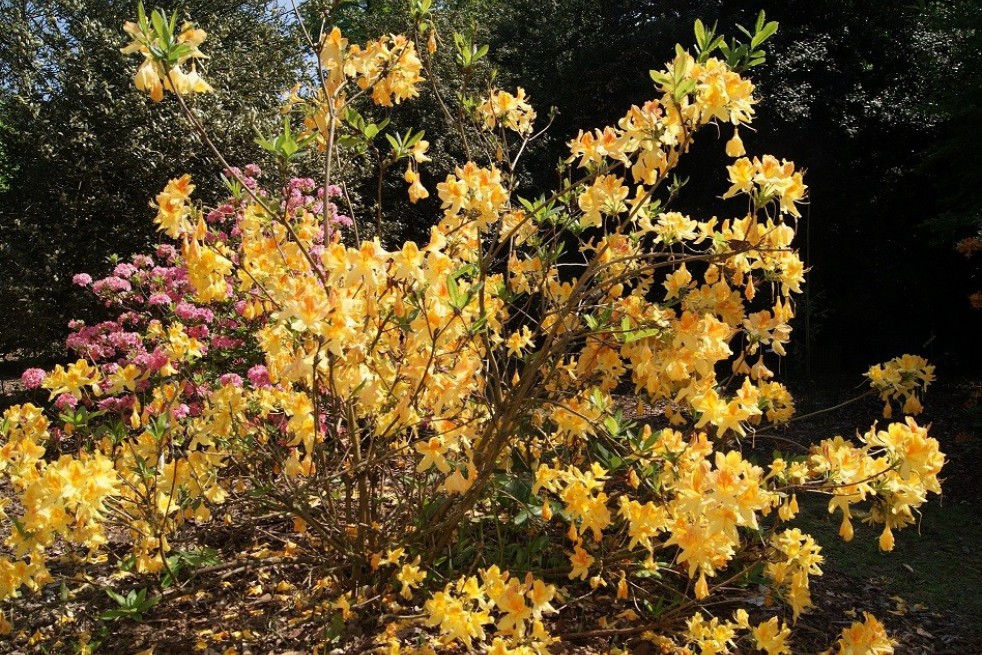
(148, 291)
(33, 377)
(303, 193)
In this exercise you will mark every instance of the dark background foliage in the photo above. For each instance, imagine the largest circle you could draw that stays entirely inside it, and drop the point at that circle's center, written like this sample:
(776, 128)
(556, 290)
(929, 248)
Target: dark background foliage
(85, 152)
(879, 101)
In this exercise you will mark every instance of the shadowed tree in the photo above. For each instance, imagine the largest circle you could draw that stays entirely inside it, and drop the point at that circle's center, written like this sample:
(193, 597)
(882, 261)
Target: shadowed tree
(86, 151)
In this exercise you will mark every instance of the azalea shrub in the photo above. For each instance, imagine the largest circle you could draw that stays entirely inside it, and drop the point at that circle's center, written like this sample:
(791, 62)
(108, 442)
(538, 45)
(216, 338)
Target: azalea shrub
(450, 427)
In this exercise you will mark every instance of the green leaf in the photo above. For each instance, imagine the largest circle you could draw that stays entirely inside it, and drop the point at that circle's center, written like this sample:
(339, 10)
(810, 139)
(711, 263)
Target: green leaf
(414, 139)
(352, 117)
(638, 335)
(700, 31)
(118, 598)
(684, 89)
(763, 34)
(159, 22)
(178, 51)
(659, 78)
(349, 141)
(650, 441)
(110, 615)
(336, 628)
(456, 300)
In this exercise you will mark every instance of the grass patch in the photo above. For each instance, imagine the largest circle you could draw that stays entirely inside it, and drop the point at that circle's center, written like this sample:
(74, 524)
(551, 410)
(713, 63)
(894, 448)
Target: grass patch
(938, 563)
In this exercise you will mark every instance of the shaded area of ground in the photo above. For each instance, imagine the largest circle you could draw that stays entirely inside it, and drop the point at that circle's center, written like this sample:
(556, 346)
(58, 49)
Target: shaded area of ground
(926, 590)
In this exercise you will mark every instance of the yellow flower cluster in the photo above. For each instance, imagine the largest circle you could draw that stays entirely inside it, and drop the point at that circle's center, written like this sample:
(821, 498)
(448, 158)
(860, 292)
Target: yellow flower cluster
(902, 378)
(471, 192)
(867, 637)
(796, 557)
(173, 211)
(649, 138)
(389, 66)
(896, 468)
(64, 498)
(717, 637)
(766, 180)
(165, 52)
(700, 509)
(465, 607)
(510, 111)
(72, 380)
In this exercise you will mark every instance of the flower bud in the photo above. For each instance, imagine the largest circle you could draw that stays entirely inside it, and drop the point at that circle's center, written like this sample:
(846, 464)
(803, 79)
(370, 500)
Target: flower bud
(734, 147)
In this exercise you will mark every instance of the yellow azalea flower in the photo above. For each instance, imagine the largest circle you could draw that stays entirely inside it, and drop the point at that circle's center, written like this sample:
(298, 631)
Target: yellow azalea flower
(676, 282)
(186, 83)
(433, 451)
(511, 602)
(455, 620)
(172, 208)
(741, 176)
(410, 576)
(417, 191)
(772, 637)
(605, 196)
(512, 112)
(581, 561)
(701, 588)
(124, 378)
(457, 483)
(158, 72)
(148, 79)
(518, 341)
(868, 637)
(886, 539)
(332, 54)
(541, 595)
(73, 379)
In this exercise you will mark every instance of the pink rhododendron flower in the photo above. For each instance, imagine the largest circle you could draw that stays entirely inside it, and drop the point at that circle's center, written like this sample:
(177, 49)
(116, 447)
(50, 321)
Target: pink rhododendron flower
(230, 378)
(199, 332)
(66, 401)
(112, 284)
(124, 270)
(33, 377)
(221, 341)
(158, 299)
(259, 376)
(166, 251)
